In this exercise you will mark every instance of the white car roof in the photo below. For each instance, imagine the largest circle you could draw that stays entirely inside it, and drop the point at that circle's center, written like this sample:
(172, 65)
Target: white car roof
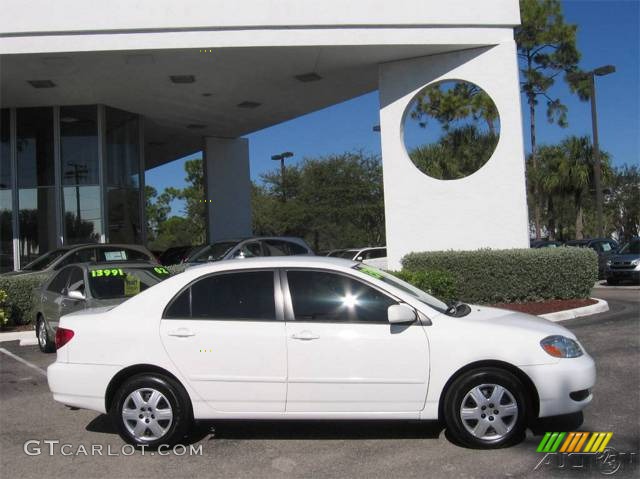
(302, 261)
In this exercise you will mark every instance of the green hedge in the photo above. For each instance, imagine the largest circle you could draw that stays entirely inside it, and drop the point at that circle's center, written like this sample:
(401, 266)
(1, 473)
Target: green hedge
(515, 275)
(18, 303)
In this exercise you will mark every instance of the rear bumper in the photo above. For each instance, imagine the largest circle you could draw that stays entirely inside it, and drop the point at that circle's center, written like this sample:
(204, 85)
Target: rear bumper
(80, 385)
(564, 387)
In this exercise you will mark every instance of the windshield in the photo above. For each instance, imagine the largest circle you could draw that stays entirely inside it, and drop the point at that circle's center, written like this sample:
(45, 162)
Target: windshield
(45, 260)
(213, 252)
(633, 247)
(112, 283)
(426, 298)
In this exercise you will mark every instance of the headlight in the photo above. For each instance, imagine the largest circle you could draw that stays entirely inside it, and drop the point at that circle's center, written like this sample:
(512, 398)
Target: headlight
(635, 262)
(609, 262)
(561, 347)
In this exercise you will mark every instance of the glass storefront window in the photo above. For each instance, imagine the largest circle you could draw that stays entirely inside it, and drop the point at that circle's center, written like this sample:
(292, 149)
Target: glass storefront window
(80, 174)
(123, 176)
(36, 177)
(6, 225)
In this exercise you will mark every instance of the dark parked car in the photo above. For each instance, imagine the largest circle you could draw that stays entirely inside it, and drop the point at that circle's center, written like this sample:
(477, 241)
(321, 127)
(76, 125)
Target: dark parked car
(81, 253)
(625, 263)
(603, 246)
(546, 244)
(88, 285)
(249, 248)
(176, 254)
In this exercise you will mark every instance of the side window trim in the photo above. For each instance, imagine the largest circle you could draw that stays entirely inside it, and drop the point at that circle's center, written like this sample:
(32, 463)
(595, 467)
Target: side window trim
(277, 291)
(290, 314)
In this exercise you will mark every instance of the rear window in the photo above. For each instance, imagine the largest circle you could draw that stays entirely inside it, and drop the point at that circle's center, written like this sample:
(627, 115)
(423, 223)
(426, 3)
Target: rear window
(112, 283)
(121, 254)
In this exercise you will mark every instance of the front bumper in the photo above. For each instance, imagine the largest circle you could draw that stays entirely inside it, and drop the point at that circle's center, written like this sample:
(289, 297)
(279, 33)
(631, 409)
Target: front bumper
(623, 274)
(555, 384)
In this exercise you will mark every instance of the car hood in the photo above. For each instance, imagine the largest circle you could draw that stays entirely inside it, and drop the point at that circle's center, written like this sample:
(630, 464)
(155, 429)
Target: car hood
(504, 318)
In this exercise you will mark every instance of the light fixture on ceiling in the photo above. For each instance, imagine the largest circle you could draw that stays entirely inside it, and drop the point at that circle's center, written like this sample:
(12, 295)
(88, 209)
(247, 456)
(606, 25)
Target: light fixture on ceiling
(249, 104)
(308, 77)
(181, 79)
(41, 83)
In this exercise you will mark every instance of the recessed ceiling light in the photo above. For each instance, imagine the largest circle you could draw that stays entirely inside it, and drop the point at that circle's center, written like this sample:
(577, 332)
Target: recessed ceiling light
(41, 83)
(308, 77)
(249, 104)
(182, 78)
(196, 126)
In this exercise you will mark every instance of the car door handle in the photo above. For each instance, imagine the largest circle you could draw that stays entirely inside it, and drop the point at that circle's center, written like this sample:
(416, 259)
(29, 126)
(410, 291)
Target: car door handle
(304, 336)
(181, 333)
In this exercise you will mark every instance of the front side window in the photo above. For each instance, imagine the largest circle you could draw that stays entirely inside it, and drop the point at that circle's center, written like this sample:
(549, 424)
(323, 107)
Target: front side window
(45, 260)
(324, 296)
(247, 295)
(250, 250)
(59, 282)
(76, 280)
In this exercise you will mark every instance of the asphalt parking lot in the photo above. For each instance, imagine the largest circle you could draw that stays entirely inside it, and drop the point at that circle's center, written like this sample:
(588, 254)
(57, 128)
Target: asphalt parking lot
(314, 449)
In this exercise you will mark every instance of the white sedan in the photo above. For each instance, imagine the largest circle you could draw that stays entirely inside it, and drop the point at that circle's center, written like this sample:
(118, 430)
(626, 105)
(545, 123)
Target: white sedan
(314, 338)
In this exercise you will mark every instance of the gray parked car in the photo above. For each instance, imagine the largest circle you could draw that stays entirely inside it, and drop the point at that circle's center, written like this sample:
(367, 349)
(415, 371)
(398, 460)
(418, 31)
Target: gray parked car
(88, 285)
(56, 259)
(249, 248)
(625, 263)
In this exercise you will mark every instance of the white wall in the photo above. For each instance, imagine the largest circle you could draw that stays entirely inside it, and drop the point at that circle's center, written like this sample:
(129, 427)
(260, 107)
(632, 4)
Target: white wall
(228, 187)
(484, 210)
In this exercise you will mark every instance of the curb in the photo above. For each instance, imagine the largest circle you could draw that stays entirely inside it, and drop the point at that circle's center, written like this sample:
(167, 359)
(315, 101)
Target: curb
(600, 307)
(25, 337)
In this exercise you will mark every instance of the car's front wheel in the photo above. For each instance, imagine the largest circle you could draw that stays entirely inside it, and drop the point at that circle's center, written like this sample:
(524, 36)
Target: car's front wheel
(486, 408)
(151, 410)
(45, 343)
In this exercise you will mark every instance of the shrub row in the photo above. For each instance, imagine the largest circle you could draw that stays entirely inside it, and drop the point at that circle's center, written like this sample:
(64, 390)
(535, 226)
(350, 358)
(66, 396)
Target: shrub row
(515, 275)
(18, 304)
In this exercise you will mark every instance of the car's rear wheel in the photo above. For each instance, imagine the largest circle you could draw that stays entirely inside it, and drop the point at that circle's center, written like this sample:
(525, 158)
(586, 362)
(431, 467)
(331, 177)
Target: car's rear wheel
(151, 410)
(612, 282)
(45, 343)
(486, 408)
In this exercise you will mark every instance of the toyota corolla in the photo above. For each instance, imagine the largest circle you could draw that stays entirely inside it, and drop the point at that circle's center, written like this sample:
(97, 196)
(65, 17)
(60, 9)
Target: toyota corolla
(314, 338)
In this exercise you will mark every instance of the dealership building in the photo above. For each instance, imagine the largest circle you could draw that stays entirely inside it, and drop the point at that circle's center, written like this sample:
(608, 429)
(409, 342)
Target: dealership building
(94, 93)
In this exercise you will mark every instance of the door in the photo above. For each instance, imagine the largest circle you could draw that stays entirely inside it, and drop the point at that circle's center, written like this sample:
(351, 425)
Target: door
(227, 338)
(344, 356)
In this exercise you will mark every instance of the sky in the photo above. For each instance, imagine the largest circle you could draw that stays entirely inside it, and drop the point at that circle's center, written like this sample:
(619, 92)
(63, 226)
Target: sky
(607, 34)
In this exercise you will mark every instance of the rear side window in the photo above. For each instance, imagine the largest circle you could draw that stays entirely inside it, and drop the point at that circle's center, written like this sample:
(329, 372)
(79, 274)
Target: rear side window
(295, 249)
(232, 296)
(375, 253)
(80, 256)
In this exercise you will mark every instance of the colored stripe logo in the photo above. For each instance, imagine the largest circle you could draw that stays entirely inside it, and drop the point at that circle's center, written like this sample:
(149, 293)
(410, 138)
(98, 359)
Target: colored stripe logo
(584, 442)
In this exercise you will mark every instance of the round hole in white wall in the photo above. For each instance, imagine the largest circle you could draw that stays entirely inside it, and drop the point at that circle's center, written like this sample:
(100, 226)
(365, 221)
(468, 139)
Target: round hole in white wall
(451, 129)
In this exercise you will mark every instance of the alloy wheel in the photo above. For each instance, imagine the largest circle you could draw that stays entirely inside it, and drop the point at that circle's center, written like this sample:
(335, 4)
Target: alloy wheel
(489, 412)
(147, 414)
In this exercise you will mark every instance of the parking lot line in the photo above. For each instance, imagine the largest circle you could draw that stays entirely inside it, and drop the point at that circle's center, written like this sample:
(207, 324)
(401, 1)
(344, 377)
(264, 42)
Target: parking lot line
(23, 361)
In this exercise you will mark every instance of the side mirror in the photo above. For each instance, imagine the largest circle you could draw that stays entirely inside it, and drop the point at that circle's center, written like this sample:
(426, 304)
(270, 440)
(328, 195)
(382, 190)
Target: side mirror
(239, 254)
(400, 313)
(359, 258)
(77, 295)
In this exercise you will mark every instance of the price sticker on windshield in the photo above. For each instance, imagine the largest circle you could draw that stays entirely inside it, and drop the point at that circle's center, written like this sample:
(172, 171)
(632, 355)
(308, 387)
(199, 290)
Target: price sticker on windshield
(131, 285)
(161, 270)
(371, 272)
(97, 273)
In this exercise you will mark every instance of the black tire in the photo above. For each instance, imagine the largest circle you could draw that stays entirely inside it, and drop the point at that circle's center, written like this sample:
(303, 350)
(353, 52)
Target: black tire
(174, 396)
(612, 282)
(45, 343)
(515, 424)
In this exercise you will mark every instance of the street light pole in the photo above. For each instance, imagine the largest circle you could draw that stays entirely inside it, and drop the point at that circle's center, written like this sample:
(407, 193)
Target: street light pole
(597, 163)
(281, 157)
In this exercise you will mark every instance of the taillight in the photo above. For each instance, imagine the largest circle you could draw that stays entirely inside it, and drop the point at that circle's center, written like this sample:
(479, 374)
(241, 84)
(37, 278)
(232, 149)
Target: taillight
(63, 336)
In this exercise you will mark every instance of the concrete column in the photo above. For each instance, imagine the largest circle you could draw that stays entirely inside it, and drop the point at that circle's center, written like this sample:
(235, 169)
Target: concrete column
(487, 209)
(227, 187)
